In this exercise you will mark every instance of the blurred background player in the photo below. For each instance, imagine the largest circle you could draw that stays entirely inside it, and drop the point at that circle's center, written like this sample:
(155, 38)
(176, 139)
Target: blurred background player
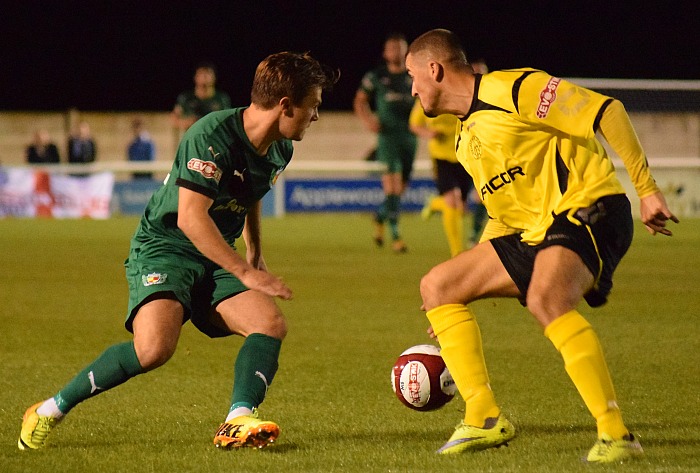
(42, 149)
(453, 182)
(141, 148)
(559, 225)
(383, 102)
(204, 98)
(183, 264)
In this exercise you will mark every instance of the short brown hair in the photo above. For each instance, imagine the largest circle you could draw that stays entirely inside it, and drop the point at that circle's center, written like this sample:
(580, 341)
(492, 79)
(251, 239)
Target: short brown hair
(443, 45)
(290, 75)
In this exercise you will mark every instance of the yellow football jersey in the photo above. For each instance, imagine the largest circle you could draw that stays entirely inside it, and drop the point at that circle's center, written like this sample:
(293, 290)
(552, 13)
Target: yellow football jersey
(447, 125)
(529, 143)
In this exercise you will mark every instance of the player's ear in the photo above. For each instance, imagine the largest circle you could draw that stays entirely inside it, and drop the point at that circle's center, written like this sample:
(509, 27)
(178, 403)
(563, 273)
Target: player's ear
(437, 71)
(286, 106)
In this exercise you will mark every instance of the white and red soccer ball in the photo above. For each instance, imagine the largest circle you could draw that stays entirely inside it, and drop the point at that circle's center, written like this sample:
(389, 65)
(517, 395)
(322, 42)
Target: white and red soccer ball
(421, 380)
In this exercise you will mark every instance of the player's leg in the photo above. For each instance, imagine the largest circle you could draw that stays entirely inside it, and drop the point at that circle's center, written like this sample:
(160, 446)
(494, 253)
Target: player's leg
(256, 317)
(393, 188)
(384, 156)
(434, 202)
(156, 330)
(561, 276)
(446, 290)
(453, 220)
(453, 183)
(406, 153)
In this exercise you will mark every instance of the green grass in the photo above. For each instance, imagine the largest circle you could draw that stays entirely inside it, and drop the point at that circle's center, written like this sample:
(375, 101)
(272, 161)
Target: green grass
(63, 298)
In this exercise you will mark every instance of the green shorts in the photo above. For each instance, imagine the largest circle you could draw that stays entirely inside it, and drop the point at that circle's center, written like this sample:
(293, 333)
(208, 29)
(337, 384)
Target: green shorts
(197, 283)
(398, 152)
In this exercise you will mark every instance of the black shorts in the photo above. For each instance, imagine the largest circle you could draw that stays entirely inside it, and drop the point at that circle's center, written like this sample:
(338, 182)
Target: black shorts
(601, 237)
(451, 175)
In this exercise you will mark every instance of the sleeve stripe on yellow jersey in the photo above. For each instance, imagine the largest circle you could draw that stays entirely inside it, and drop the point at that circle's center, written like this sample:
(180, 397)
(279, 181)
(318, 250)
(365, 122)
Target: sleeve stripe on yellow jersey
(516, 89)
(478, 105)
(599, 116)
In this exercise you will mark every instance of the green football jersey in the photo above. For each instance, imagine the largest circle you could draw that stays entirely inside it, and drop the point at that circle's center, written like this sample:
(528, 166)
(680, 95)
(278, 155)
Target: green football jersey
(193, 106)
(216, 159)
(391, 97)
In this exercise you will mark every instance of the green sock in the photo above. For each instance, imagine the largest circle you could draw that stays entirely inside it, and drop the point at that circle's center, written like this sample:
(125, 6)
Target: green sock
(393, 204)
(254, 370)
(381, 214)
(114, 366)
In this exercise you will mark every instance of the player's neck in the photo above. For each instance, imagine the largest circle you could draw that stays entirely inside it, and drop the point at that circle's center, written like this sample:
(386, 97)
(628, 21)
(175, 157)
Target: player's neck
(461, 95)
(396, 67)
(204, 91)
(259, 126)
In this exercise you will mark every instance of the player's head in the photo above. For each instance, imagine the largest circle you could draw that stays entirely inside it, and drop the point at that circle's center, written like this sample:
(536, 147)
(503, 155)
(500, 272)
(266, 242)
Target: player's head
(294, 82)
(430, 57)
(395, 47)
(205, 74)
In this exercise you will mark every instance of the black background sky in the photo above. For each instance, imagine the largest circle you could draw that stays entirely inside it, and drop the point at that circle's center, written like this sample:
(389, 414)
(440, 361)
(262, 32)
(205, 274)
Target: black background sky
(138, 55)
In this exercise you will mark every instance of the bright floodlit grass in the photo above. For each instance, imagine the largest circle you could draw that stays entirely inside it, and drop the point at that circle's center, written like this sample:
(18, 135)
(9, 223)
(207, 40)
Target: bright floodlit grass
(63, 298)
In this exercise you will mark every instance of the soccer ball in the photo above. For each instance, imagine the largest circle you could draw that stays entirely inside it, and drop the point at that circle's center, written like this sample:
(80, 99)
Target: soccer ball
(421, 380)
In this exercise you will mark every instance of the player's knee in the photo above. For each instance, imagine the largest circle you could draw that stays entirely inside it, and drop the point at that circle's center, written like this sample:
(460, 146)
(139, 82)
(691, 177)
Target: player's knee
(546, 305)
(432, 286)
(275, 327)
(154, 354)
(279, 328)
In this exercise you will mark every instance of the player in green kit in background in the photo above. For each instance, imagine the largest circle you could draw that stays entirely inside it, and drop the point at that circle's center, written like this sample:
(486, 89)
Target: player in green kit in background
(383, 102)
(183, 264)
(193, 104)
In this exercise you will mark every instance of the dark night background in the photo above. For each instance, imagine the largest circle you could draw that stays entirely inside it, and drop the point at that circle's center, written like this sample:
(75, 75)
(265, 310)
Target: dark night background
(129, 55)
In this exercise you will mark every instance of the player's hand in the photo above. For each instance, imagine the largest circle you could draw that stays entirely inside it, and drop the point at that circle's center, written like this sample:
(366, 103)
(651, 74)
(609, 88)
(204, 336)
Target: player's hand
(266, 283)
(431, 333)
(655, 213)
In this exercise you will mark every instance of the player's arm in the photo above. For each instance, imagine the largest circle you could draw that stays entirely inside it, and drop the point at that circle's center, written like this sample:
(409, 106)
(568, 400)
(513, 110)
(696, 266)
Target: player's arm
(616, 128)
(194, 221)
(179, 119)
(178, 116)
(252, 237)
(363, 110)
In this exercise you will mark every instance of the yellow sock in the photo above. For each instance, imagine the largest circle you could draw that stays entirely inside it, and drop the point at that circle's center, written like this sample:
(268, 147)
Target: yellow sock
(437, 203)
(453, 223)
(460, 340)
(583, 357)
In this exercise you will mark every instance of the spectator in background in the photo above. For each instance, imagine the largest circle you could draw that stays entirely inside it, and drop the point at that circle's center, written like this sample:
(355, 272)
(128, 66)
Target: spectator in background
(42, 149)
(81, 145)
(383, 102)
(141, 147)
(194, 104)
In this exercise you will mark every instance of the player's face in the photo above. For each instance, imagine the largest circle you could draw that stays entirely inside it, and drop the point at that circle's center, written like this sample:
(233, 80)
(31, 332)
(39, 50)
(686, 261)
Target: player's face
(395, 51)
(424, 86)
(204, 76)
(297, 118)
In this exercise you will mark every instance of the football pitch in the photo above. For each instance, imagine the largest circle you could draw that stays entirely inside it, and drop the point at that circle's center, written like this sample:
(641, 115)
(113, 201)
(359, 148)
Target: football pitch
(63, 299)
